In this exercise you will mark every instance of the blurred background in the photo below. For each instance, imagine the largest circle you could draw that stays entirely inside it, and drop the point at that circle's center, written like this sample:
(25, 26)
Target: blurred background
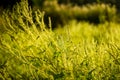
(63, 11)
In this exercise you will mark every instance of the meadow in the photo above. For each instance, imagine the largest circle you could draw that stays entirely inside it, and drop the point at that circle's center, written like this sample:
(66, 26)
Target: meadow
(78, 51)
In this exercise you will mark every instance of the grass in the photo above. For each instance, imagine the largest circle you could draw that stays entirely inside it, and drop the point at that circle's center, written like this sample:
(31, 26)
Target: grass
(79, 51)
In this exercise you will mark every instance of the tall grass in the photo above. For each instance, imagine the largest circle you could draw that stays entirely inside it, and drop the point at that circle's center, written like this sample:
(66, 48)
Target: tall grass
(29, 51)
(93, 13)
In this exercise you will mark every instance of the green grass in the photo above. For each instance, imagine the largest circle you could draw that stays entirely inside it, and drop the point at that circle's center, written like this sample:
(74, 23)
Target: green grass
(79, 51)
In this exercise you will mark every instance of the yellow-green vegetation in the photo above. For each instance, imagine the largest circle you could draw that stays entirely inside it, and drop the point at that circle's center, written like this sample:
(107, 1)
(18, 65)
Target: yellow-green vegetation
(80, 51)
(93, 13)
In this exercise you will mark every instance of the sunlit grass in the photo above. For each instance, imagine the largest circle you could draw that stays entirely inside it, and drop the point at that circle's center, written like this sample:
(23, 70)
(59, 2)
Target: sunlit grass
(80, 51)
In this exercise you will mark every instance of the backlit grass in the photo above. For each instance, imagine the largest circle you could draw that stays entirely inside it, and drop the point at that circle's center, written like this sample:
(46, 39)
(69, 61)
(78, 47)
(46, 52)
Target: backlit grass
(80, 51)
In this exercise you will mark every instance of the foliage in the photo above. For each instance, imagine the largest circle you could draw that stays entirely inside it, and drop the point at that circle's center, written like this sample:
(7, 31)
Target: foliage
(94, 13)
(61, 13)
(80, 2)
(29, 51)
